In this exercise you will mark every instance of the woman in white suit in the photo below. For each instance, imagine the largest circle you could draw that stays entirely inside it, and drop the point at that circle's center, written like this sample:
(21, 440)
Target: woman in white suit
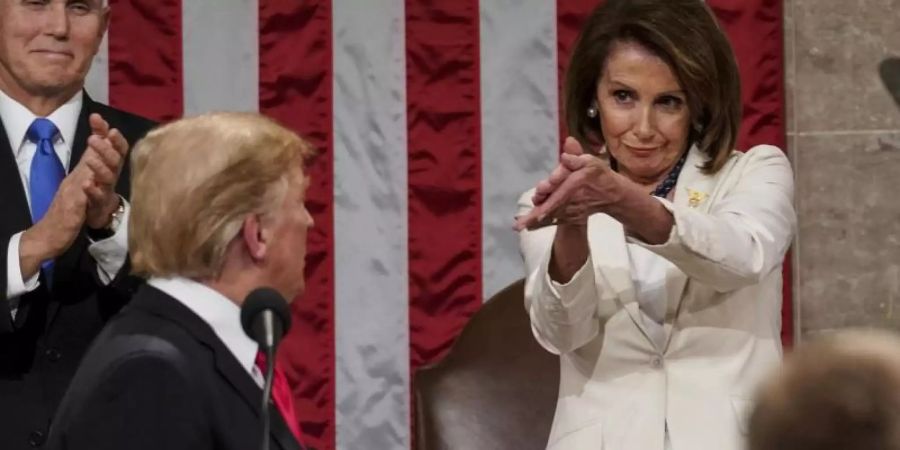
(654, 250)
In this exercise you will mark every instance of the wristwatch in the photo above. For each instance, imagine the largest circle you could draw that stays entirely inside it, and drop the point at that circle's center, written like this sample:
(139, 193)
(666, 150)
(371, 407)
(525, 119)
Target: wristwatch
(115, 221)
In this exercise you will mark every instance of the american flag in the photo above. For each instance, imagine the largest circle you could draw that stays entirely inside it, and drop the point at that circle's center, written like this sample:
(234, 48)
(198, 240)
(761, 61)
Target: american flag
(431, 116)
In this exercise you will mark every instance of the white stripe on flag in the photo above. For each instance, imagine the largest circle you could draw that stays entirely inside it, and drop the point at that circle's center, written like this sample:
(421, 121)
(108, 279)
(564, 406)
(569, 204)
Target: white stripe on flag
(370, 226)
(220, 55)
(520, 126)
(97, 82)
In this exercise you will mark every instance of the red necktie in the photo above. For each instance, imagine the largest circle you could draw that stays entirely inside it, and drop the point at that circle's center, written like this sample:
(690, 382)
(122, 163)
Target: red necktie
(281, 394)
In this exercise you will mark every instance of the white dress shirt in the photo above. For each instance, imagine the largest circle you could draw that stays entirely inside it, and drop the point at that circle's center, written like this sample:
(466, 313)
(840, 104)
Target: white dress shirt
(109, 253)
(222, 314)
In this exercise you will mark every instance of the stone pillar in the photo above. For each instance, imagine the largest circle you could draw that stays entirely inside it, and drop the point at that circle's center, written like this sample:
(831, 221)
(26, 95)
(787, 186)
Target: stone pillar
(844, 142)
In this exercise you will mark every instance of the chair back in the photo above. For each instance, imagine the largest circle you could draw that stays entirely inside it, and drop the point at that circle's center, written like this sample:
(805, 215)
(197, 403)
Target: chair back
(495, 389)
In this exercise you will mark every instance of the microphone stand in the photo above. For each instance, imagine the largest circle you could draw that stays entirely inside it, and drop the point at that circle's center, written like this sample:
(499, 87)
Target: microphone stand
(265, 317)
(270, 371)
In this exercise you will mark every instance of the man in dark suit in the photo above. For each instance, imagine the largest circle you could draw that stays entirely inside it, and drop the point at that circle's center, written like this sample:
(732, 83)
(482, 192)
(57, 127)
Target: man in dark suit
(64, 185)
(217, 211)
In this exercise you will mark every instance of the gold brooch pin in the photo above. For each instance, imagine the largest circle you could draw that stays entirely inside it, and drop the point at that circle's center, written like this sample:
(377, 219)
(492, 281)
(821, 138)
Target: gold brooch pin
(695, 198)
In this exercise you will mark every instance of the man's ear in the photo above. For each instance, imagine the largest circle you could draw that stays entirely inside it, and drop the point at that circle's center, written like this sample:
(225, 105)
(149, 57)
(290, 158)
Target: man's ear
(255, 237)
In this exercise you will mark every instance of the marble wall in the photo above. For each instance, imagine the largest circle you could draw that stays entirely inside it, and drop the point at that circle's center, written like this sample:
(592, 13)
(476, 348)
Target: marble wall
(844, 141)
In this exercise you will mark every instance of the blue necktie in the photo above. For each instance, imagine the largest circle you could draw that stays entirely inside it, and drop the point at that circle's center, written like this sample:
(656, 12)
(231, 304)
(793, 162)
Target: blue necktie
(47, 172)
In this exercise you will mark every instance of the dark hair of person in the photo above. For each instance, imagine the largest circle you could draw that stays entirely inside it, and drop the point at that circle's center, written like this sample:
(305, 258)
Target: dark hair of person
(684, 34)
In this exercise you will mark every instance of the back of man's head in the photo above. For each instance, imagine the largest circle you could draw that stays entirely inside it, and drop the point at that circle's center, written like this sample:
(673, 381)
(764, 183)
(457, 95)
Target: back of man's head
(839, 392)
(196, 179)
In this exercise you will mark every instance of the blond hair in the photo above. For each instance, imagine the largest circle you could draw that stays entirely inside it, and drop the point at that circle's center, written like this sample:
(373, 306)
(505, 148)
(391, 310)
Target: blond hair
(195, 180)
(838, 392)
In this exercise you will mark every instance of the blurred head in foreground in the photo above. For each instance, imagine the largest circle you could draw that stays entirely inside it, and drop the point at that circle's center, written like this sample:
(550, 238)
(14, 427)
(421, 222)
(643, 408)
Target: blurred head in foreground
(838, 392)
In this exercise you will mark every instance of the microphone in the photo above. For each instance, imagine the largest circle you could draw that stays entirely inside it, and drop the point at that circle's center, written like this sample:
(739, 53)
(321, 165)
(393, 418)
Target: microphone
(890, 76)
(265, 317)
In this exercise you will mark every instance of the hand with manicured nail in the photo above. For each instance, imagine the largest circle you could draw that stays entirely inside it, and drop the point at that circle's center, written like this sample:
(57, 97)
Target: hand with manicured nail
(581, 185)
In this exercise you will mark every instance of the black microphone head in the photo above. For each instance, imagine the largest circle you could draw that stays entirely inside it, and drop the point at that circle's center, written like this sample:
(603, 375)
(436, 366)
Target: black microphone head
(890, 76)
(260, 300)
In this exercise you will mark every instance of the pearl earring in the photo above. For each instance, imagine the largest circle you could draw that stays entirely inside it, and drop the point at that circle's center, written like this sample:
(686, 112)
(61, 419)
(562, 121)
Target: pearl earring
(592, 111)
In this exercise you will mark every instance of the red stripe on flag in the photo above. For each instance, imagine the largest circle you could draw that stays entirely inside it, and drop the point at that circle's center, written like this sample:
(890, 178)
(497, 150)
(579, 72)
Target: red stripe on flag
(295, 88)
(754, 28)
(444, 164)
(145, 75)
(570, 17)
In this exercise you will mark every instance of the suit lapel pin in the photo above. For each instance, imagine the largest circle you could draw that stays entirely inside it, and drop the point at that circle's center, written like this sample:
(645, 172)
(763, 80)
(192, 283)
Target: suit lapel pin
(695, 198)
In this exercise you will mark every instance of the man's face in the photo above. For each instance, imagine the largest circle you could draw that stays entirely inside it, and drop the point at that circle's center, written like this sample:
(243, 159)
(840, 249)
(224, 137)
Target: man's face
(46, 46)
(289, 229)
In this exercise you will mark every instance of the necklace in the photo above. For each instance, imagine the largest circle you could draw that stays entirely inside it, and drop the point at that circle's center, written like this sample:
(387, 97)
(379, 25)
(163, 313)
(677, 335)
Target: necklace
(663, 188)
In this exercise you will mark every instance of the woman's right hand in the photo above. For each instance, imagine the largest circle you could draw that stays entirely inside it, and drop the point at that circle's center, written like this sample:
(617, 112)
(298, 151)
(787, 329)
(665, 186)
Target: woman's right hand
(581, 185)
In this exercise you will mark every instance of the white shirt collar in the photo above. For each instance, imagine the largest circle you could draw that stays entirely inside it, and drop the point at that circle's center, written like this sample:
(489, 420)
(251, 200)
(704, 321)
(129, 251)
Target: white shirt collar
(17, 118)
(223, 315)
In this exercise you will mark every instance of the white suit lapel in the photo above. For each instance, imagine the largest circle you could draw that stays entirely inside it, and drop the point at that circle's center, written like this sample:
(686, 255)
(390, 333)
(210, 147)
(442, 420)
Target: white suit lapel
(612, 264)
(693, 190)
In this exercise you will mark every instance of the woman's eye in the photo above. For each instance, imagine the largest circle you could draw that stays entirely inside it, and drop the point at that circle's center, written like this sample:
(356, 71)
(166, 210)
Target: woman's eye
(622, 95)
(671, 102)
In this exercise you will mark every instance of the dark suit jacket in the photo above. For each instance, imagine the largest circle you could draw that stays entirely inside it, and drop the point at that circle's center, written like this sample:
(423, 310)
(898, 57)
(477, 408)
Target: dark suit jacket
(41, 348)
(158, 377)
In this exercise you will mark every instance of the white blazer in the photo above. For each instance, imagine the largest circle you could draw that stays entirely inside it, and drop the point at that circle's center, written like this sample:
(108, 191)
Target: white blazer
(617, 390)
